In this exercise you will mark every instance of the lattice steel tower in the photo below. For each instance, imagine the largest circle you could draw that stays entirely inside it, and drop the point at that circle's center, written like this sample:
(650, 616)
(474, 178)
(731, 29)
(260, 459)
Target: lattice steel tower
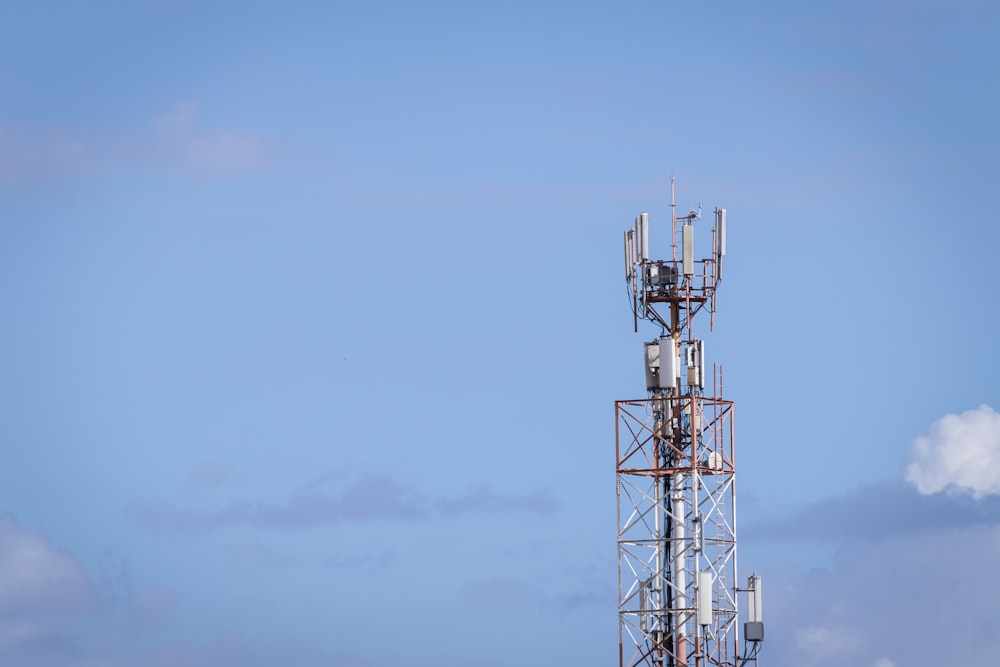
(675, 464)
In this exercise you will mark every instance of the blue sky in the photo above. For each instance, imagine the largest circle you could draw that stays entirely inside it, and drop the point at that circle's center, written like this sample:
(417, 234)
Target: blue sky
(314, 318)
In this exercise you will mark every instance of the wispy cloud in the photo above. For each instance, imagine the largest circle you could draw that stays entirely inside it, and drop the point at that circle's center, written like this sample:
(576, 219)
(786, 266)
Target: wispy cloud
(333, 498)
(514, 596)
(392, 197)
(336, 497)
(142, 607)
(53, 615)
(480, 499)
(876, 511)
(233, 651)
(176, 139)
(960, 452)
(210, 477)
(261, 555)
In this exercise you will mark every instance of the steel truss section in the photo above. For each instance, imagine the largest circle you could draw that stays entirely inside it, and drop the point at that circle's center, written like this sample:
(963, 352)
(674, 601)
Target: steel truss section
(676, 528)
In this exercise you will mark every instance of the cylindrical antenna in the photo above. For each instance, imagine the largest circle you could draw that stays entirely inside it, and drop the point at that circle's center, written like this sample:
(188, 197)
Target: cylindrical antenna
(673, 222)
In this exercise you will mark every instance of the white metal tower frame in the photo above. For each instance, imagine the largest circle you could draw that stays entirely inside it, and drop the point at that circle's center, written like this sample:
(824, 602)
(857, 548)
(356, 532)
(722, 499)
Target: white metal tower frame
(675, 467)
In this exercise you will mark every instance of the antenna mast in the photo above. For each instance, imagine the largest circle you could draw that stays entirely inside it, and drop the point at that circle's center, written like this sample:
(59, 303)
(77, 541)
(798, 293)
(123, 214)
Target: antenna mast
(675, 466)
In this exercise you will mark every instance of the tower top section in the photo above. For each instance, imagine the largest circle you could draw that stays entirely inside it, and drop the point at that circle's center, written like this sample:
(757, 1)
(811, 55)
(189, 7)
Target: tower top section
(668, 285)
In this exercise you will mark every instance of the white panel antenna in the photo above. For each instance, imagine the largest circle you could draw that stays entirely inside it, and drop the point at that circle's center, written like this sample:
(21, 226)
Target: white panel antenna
(701, 364)
(754, 591)
(643, 237)
(720, 240)
(691, 362)
(637, 239)
(629, 261)
(687, 241)
(652, 365)
(668, 363)
(720, 233)
(704, 598)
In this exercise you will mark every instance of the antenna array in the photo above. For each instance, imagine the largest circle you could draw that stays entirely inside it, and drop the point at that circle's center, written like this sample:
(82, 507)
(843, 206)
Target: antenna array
(675, 465)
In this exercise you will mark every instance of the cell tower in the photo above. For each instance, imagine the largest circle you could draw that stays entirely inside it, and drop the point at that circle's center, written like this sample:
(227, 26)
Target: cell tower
(676, 470)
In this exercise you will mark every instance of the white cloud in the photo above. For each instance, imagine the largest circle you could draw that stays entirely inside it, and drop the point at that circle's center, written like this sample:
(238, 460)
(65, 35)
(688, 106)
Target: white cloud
(46, 598)
(960, 452)
(883, 662)
(36, 577)
(819, 643)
